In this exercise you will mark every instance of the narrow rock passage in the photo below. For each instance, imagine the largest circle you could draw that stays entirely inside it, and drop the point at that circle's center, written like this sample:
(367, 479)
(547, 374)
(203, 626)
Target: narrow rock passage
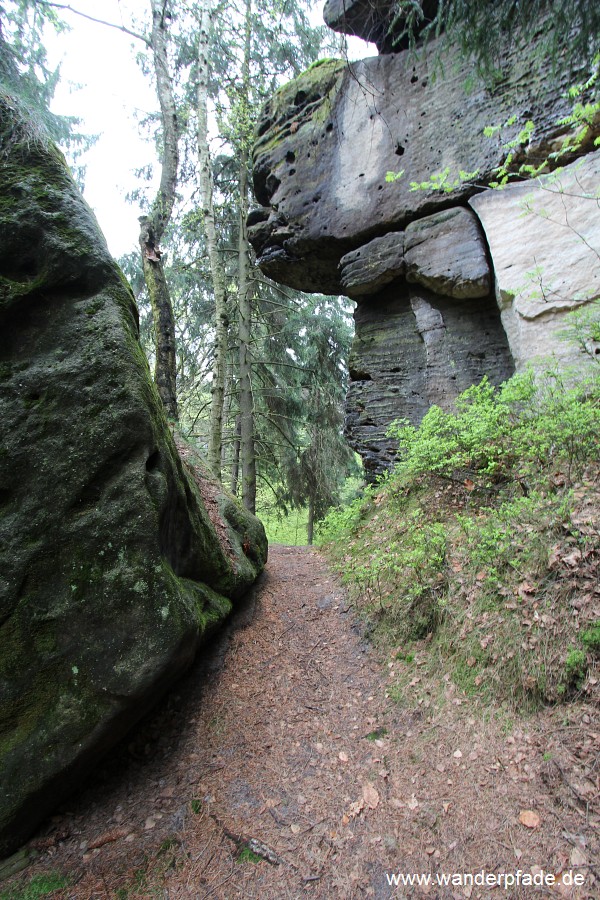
(281, 769)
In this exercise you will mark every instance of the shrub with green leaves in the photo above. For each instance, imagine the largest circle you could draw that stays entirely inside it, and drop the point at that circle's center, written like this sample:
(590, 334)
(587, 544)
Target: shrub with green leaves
(458, 556)
(512, 433)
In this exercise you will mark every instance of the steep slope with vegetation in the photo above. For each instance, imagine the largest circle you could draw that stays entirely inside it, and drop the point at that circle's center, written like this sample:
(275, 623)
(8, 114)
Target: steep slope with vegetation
(479, 554)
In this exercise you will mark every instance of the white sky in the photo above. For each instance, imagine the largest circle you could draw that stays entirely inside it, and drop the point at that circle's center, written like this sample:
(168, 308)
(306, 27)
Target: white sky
(112, 91)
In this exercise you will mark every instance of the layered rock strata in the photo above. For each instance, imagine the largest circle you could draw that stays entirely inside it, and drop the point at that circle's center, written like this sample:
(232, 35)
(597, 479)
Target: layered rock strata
(426, 276)
(544, 239)
(117, 558)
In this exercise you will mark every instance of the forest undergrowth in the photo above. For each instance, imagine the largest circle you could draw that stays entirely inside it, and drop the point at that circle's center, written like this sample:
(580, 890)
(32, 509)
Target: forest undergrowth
(478, 558)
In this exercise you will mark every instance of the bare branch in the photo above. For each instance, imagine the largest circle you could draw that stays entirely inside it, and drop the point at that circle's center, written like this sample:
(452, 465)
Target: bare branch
(77, 12)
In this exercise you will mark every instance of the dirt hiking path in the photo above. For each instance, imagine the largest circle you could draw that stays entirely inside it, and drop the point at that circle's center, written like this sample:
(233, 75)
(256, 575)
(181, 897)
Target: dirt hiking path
(280, 769)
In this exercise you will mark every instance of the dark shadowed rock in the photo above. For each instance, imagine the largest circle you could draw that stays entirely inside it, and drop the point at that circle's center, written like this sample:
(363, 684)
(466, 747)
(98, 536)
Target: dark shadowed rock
(117, 558)
(377, 21)
(446, 253)
(368, 269)
(413, 348)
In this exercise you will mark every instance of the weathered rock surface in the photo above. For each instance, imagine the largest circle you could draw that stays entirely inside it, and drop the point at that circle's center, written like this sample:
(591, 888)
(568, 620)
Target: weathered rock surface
(368, 269)
(326, 141)
(413, 348)
(544, 239)
(377, 21)
(446, 253)
(112, 571)
(416, 260)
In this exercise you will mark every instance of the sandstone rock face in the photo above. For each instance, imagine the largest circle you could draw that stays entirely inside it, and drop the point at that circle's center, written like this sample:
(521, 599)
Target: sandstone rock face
(112, 571)
(544, 239)
(326, 141)
(446, 253)
(413, 348)
(368, 269)
(417, 261)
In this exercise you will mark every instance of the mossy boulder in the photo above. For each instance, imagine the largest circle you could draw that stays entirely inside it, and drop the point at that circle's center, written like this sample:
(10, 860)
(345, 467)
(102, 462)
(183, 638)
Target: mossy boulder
(113, 568)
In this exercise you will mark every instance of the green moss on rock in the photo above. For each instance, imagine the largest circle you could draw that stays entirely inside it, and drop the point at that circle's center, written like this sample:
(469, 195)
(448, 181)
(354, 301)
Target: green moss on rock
(111, 570)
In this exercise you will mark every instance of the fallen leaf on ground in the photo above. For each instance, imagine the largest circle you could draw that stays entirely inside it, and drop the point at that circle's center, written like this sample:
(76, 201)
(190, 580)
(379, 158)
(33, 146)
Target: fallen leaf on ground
(371, 795)
(355, 809)
(577, 857)
(529, 818)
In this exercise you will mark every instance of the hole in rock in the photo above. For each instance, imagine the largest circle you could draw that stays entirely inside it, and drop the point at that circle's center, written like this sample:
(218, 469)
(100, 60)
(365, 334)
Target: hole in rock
(299, 98)
(399, 151)
(329, 127)
(414, 79)
(271, 184)
(153, 461)
(290, 157)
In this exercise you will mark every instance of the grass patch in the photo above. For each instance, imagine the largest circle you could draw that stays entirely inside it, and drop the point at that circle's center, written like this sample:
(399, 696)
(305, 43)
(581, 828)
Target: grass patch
(38, 886)
(246, 855)
(377, 734)
(290, 530)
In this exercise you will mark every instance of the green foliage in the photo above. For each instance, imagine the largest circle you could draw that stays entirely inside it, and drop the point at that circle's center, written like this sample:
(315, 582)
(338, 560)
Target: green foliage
(510, 433)
(575, 668)
(38, 886)
(394, 176)
(246, 855)
(482, 28)
(26, 78)
(455, 559)
(590, 638)
(289, 529)
(441, 181)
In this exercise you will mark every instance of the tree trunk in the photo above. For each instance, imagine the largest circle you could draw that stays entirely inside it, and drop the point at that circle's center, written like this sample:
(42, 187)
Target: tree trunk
(205, 185)
(153, 226)
(247, 454)
(235, 462)
(165, 366)
(310, 527)
(245, 287)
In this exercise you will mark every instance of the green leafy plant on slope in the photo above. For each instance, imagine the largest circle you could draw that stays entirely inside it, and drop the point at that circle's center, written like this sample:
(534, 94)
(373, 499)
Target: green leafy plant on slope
(467, 555)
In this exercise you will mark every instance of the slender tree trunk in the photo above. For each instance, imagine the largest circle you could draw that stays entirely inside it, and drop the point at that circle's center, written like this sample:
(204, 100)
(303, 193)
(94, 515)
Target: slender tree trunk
(165, 365)
(247, 454)
(245, 287)
(205, 184)
(310, 527)
(235, 462)
(152, 227)
(227, 400)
